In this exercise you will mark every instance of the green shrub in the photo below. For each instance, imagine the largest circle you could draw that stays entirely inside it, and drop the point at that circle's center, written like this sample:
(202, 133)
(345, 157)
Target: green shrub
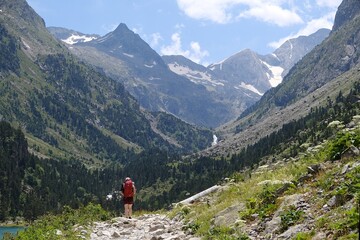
(304, 236)
(345, 223)
(62, 226)
(267, 195)
(192, 227)
(290, 217)
(343, 141)
(225, 233)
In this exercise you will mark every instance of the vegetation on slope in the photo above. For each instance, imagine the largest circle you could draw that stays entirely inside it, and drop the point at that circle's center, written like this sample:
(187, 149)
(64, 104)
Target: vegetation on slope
(330, 195)
(316, 69)
(321, 171)
(161, 178)
(62, 226)
(65, 107)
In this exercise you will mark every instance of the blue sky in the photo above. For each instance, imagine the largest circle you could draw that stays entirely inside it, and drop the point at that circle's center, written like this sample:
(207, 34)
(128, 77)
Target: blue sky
(206, 31)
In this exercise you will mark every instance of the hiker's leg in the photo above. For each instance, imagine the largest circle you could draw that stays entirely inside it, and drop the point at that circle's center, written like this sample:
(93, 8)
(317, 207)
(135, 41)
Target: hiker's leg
(126, 207)
(130, 210)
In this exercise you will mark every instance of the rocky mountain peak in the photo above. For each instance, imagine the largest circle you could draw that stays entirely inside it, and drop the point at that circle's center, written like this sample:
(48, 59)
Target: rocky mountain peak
(122, 28)
(127, 45)
(122, 34)
(347, 11)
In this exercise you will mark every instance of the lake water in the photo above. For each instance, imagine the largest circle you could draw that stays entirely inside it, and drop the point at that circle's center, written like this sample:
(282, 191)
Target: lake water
(12, 230)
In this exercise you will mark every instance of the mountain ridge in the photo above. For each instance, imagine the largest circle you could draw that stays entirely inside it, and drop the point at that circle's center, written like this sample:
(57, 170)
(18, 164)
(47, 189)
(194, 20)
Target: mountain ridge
(66, 107)
(309, 83)
(244, 77)
(148, 77)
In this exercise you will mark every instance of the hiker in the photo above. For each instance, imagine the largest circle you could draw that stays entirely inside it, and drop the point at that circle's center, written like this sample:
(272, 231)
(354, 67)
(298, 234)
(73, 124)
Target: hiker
(128, 192)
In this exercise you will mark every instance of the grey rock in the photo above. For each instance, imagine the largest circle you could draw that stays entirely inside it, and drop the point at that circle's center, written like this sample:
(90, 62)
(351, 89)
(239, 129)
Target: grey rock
(292, 231)
(319, 236)
(147, 227)
(115, 234)
(229, 215)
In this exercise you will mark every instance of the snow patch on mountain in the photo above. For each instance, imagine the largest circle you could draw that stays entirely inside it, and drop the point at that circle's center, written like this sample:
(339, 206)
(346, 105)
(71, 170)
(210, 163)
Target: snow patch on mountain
(151, 65)
(128, 55)
(77, 38)
(249, 87)
(275, 78)
(291, 49)
(104, 38)
(193, 75)
(212, 67)
(274, 55)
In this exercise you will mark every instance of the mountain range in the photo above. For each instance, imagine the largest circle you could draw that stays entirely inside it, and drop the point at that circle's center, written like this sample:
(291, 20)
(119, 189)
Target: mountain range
(73, 110)
(66, 108)
(243, 78)
(206, 96)
(331, 68)
(125, 57)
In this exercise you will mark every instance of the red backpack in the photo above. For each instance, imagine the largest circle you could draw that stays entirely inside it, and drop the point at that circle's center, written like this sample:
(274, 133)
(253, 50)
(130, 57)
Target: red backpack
(128, 188)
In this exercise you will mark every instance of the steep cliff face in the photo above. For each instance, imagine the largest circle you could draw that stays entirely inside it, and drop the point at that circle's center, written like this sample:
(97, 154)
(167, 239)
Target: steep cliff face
(347, 11)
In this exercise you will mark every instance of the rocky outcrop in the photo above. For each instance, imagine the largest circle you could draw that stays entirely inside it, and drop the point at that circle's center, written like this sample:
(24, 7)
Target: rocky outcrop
(347, 11)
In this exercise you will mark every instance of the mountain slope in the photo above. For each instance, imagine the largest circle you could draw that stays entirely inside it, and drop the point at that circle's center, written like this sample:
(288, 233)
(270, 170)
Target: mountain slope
(329, 68)
(293, 50)
(314, 193)
(67, 108)
(243, 78)
(125, 57)
(335, 56)
(71, 36)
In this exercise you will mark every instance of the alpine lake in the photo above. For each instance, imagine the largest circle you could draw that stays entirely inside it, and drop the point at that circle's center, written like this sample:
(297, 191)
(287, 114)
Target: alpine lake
(12, 230)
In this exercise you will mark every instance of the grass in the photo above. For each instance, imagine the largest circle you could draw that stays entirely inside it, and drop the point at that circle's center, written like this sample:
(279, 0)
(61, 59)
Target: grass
(201, 214)
(68, 225)
(256, 192)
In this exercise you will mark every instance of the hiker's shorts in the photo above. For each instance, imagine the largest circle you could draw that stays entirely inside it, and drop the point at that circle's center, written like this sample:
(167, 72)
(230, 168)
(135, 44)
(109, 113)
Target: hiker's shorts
(128, 200)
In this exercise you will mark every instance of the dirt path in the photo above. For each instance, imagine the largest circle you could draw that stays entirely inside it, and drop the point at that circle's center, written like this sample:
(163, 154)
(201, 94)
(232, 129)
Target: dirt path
(146, 227)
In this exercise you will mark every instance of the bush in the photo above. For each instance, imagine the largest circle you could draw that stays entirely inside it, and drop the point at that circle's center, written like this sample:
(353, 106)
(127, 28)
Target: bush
(343, 141)
(62, 226)
(290, 217)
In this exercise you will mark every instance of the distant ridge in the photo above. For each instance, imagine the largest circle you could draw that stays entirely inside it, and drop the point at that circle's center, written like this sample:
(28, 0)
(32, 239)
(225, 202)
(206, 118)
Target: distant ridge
(329, 69)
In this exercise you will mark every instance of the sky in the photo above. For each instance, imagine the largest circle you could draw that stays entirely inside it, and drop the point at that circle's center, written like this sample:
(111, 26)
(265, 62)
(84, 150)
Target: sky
(205, 31)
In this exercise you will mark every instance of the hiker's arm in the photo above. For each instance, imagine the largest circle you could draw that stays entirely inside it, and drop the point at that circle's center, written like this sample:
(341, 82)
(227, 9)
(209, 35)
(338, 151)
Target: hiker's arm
(122, 190)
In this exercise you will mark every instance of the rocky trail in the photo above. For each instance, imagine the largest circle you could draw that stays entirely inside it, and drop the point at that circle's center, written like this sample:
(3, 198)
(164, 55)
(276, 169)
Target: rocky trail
(146, 227)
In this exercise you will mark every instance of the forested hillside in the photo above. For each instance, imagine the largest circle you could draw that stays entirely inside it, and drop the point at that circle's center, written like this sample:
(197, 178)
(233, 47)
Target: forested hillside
(330, 67)
(70, 135)
(68, 109)
(31, 186)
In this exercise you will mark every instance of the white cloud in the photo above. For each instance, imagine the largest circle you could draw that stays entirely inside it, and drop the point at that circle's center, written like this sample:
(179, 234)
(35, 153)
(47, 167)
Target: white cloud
(137, 30)
(195, 53)
(272, 14)
(279, 12)
(311, 27)
(213, 10)
(109, 27)
(155, 39)
(328, 3)
(174, 48)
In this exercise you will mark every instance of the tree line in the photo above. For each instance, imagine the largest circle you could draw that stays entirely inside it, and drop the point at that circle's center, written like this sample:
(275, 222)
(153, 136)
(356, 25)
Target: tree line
(30, 186)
